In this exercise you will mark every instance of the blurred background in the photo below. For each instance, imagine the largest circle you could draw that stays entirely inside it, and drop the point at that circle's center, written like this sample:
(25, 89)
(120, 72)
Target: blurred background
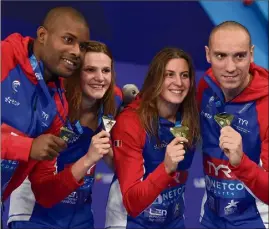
(135, 31)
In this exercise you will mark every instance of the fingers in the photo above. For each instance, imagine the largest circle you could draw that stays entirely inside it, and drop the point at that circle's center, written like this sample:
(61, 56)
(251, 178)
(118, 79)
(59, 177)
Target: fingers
(102, 140)
(175, 154)
(106, 146)
(177, 157)
(103, 134)
(227, 130)
(105, 151)
(227, 139)
(59, 142)
(180, 158)
(53, 153)
(225, 146)
(177, 140)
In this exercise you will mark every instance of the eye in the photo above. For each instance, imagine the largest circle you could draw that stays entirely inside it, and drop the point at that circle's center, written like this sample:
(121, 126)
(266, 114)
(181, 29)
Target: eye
(106, 70)
(169, 74)
(241, 56)
(83, 46)
(68, 39)
(89, 69)
(185, 75)
(219, 56)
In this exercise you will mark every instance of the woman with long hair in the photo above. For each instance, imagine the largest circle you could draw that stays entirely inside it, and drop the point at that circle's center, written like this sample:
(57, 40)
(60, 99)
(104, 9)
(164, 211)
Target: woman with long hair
(62, 188)
(153, 145)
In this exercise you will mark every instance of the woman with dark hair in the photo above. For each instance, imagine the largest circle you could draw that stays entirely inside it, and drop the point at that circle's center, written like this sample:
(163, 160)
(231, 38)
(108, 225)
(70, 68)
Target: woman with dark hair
(62, 188)
(154, 140)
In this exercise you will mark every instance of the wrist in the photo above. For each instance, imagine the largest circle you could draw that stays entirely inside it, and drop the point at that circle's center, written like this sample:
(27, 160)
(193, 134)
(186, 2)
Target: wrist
(167, 170)
(87, 161)
(236, 163)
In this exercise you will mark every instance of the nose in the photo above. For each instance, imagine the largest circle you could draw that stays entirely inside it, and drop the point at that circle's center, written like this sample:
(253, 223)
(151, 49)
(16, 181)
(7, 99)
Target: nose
(178, 80)
(76, 50)
(230, 65)
(99, 76)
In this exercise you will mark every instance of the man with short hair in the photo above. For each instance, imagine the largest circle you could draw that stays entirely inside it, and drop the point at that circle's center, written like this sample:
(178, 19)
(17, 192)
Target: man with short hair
(34, 107)
(233, 100)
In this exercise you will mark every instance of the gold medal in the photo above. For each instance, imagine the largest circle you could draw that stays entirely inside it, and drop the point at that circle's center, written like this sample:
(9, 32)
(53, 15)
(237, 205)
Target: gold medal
(180, 131)
(108, 123)
(66, 134)
(223, 119)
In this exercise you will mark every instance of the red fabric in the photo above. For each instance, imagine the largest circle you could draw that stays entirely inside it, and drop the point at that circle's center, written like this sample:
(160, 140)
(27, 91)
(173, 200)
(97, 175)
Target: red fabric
(256, 177)
(49, 187)
(118, 92)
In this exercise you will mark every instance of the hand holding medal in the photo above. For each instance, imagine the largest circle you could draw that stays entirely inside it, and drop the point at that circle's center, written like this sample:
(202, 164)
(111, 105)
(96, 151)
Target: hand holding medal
(175, 149)
(100, 143)
(230, 140)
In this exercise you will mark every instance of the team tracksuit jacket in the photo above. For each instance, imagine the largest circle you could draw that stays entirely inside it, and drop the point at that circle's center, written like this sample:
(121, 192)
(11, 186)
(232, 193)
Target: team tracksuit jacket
(236, 197)
(28, 110)
(143, 195)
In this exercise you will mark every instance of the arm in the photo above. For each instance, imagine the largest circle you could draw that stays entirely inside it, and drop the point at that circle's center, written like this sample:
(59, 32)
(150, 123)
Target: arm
(50, 187)
(129, 139)
(45, 179)
(255, 177)
(13, 145)
(108, 159)
(7, 60)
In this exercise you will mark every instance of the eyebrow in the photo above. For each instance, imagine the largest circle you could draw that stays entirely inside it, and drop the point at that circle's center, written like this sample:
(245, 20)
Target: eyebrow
(174, 71)
(70, 34)
(92, 66)
(234, 54)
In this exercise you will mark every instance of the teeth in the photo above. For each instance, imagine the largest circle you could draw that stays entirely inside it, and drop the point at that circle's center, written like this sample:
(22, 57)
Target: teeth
(69, 62)
(176, 91)
(97, 86)
(229, 77)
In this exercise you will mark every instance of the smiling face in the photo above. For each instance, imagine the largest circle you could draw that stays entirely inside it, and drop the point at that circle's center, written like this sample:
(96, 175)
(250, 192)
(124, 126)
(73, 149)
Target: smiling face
(96, 75)
(63, 45)
(176, 82)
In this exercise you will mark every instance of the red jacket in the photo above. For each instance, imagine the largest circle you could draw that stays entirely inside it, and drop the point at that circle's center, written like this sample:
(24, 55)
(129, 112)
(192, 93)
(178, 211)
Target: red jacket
(15, 64)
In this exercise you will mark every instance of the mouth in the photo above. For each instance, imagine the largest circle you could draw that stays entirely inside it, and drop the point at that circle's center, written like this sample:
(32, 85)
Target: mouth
(177, 92)
(230, 77)
(97, 86)
(70, 63)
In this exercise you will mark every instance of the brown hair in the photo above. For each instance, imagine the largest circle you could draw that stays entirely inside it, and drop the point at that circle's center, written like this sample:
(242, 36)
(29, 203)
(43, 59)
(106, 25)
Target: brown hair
(152, 87)
(74, 92)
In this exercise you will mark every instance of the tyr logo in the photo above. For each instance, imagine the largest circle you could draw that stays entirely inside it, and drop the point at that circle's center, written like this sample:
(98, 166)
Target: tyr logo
(243, 122)
(224, 168)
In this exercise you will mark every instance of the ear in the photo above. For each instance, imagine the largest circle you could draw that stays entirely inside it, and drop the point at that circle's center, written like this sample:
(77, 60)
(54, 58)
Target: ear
(42, 34)
(252, 53)
(207, 54)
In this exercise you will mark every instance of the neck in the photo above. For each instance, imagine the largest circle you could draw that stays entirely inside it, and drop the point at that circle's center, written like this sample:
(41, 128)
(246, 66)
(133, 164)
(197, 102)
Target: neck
(230, 94)
(88, 104)
(88, 115)
(47, 75)
(167, 110)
